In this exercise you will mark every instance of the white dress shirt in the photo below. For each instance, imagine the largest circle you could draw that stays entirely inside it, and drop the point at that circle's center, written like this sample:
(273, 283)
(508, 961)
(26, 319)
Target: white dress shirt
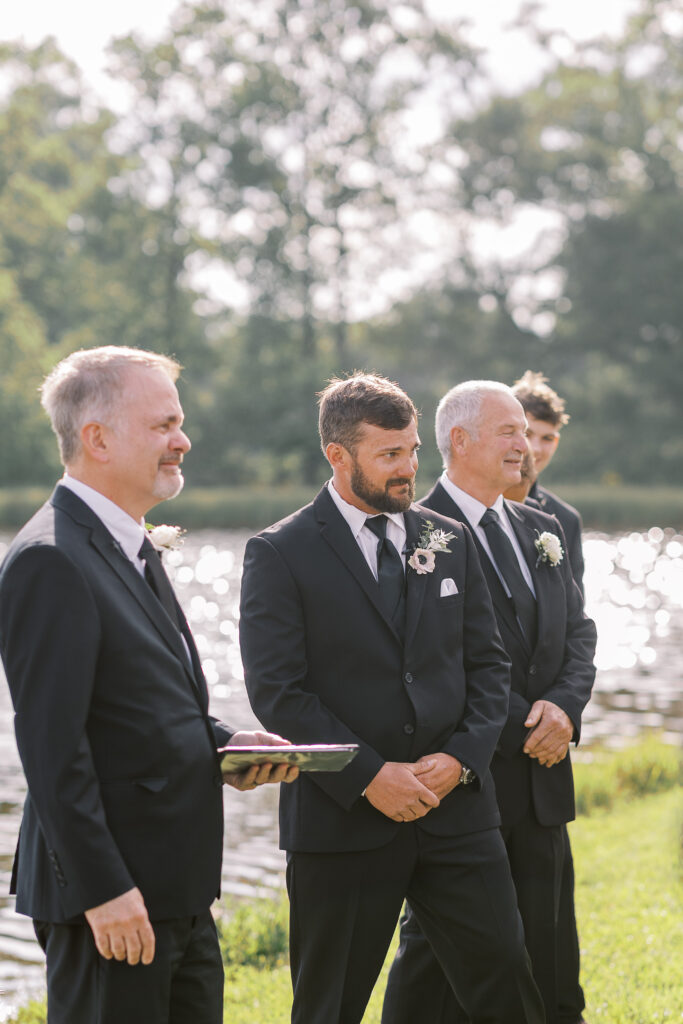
(473, 511)
(129, 533)
(365, 538)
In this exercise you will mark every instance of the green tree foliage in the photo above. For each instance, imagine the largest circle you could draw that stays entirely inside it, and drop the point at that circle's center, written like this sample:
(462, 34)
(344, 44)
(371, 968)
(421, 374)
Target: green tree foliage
(275, 129)
(270, 186)
(596, 144)
(82, 261)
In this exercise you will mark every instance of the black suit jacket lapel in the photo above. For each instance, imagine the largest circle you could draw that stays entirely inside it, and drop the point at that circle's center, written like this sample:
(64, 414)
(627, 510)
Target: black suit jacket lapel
(335, 531)
(109, 549)
(440, 500)
(416, 584)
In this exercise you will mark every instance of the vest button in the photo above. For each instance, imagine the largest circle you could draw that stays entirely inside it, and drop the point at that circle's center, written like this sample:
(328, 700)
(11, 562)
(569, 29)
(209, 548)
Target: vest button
(408, 729)
(408, 677)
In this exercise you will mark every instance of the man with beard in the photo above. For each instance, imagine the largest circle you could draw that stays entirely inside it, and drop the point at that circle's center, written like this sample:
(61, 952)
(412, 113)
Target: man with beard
(366, 619)
(119, 858)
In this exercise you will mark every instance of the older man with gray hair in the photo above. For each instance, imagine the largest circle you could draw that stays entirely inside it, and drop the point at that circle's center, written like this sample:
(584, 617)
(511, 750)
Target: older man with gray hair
(120, 850)
(481, 434)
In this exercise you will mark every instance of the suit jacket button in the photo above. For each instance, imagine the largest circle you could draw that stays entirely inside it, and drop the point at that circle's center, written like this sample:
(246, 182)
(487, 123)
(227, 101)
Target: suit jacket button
(532, 670)
(408, 677)
(408, 729)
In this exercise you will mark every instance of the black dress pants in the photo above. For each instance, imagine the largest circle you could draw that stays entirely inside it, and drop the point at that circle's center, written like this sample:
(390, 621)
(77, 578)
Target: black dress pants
(344, 908)
(542, 869)
(182, 985)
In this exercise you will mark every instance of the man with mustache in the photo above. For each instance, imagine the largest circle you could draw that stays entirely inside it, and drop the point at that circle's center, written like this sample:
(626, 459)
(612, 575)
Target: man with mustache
(366, 619)
(119, 857)
(481, 434)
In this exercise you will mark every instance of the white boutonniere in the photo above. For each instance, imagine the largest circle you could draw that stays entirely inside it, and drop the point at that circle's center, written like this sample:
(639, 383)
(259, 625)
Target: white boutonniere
(549, 549)
(165, 538)
(430, 542)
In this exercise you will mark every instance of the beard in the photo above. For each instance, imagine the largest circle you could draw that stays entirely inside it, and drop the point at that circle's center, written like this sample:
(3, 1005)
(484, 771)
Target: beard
(381, 500)
(166, 487)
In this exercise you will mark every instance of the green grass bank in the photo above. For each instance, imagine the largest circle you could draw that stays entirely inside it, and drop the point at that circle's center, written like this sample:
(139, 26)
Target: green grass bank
(604, 507)
(629, 898)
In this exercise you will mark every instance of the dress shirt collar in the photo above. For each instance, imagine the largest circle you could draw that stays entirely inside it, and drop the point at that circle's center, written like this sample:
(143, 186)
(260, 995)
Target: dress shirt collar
(129, 533)
(470, 506)
(355, 517)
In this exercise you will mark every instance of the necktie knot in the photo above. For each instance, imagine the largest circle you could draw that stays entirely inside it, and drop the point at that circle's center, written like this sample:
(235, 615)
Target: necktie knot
(489, 516)
(146, 549)
(377, 525)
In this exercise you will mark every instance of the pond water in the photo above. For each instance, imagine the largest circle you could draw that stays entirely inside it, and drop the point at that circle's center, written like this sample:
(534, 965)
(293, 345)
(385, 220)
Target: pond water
(634, 591)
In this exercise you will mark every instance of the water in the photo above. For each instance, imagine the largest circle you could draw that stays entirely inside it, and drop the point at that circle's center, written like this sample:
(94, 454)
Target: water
(634, 591)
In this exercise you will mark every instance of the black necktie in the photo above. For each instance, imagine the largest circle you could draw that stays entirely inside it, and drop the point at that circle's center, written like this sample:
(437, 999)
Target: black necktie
(506, 561)
(390, 573)
(158, 580)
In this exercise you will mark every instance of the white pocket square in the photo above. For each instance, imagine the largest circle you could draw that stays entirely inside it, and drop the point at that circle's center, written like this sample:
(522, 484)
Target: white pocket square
(448, 587)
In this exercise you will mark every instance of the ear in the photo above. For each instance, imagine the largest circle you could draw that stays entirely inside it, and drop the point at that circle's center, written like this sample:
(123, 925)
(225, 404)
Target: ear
(459, 440)
(94, 441)
(337, 455)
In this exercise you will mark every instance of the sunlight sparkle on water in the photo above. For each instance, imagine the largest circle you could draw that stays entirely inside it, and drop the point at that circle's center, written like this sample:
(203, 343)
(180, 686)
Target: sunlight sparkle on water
(629, 582)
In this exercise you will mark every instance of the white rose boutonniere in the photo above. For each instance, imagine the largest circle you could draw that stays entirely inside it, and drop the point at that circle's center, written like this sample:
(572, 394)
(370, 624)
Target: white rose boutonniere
(549, 549)
(165, 538)
(430, 542)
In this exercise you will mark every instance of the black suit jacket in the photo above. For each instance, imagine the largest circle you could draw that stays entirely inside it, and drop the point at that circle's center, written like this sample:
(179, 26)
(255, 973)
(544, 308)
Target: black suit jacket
(559, 668)
(112, 726)
(570, 521)
(323, 664)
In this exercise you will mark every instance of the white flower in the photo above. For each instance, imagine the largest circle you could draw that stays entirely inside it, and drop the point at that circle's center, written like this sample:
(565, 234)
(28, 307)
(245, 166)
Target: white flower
(165, 538)
(429, 543)
(422, 560)
(549, 549)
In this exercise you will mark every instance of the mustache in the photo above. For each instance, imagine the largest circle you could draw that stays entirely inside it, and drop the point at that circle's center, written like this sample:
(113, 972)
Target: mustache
(398, 481)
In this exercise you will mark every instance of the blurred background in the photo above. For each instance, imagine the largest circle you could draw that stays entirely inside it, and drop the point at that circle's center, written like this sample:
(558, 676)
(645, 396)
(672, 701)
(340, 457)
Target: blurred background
(280, 190)
(276, 191)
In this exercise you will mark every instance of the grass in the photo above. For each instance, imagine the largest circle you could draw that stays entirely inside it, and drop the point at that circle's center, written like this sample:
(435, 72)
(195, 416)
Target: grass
(605, 777)
(629, 901)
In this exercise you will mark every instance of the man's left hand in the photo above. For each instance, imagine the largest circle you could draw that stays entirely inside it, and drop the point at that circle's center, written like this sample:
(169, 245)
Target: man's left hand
(260, 774)
(438, 772)
(551, 734)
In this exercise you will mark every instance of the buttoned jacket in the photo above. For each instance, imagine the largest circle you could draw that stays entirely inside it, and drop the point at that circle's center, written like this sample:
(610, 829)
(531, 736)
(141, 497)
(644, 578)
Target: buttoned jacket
(558, 668)
(324, 664)
(112, 726)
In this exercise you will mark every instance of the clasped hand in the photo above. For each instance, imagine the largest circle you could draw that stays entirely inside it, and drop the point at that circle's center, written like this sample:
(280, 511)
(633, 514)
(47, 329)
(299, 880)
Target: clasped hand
(406, 791)
(551, 733)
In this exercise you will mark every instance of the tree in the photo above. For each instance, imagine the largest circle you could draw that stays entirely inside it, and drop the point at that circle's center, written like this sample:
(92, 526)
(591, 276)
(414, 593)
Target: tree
(82, 261)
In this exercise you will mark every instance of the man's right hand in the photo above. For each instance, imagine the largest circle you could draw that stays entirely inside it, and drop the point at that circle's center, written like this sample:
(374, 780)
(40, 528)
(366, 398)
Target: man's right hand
(396, 792)
(122, 930)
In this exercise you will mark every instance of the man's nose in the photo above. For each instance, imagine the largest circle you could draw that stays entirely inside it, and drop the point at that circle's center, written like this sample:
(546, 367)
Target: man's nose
(181, 441)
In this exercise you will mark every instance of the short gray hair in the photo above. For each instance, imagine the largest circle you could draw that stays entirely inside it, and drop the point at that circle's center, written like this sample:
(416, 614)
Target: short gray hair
(461, 407)
(87, 385)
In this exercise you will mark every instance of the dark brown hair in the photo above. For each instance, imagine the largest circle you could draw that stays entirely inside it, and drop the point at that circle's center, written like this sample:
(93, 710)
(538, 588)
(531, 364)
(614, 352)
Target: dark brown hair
(538, 398)
(345, 404)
